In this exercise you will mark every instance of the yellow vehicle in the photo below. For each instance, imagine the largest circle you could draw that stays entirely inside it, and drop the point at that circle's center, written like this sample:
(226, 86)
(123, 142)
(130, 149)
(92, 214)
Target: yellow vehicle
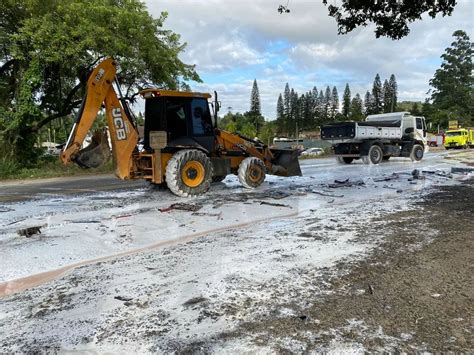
(182, 146)
(459, 138)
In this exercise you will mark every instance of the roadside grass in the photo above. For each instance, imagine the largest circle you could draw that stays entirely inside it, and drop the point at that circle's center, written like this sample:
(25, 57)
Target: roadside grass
(47, 167)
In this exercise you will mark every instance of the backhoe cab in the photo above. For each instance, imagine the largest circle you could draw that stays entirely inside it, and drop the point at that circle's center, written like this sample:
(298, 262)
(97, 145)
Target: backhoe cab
(182, 146)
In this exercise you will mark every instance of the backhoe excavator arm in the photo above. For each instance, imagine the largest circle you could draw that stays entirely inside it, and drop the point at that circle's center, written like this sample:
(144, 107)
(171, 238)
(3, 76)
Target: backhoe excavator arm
(123, 134)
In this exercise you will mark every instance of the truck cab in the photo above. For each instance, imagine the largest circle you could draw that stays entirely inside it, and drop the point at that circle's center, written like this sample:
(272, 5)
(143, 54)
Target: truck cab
(458, 138)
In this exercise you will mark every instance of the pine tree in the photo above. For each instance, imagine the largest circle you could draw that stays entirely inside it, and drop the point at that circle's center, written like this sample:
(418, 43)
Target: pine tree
(320, 107)
(294, 112)
(356, 110)
(387, 97)
(327, 104)
(394, 92)
(377, 95)
(346, 101)
(255, 107)
(368, 104)
(334, 103)
(286, 107)
(280, 114)
(452, 84)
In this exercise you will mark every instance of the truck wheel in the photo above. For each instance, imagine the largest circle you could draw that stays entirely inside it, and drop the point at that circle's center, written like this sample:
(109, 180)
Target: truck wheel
(251, 172)
(374, 156)
(417, 153)
(188, 173)
(218, 178)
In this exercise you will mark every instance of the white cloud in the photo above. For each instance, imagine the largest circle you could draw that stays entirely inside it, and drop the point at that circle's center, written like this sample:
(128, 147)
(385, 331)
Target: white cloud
(234, 41)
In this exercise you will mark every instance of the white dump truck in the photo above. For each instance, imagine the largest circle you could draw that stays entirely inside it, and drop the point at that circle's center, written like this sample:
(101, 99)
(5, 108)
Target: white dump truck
(379, 137)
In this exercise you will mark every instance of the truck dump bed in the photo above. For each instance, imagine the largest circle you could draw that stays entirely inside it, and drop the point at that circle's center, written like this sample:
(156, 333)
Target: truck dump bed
(343, 131)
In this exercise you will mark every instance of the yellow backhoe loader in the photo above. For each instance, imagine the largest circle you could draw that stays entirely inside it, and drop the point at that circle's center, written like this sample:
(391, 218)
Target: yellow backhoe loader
(182, 146)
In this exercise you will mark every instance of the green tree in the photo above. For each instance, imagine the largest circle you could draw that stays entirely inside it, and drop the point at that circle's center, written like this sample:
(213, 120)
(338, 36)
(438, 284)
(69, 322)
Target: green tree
(49, 47)
(356, 110)
(416, 110)
(391, 17)
(453, 83)
(280, 114)
(377, 95)
(327, 104)
(255, 99)
(392, 83)
(248, 130)
(334, 103)
(368, 104)
(346, 101)
(268, 132)
(387, 97)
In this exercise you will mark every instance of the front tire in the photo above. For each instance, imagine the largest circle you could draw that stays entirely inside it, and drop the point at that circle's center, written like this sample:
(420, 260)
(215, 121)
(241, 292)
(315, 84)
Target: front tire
(374, 156)
(188, 173)
(251, 172)
(417, 153)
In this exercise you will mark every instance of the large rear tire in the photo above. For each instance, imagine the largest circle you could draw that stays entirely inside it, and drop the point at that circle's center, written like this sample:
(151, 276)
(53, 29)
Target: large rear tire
(374, 156)
(188, 173)
(417, 152)
(251, 172)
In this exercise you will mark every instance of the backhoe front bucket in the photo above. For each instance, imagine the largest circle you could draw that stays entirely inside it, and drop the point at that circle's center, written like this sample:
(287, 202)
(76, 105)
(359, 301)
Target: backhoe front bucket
(96, 153)
(285, 162)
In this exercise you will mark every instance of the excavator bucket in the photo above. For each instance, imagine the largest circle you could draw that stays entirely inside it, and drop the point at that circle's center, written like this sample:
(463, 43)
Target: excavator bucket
(96, 153)
(285, 162)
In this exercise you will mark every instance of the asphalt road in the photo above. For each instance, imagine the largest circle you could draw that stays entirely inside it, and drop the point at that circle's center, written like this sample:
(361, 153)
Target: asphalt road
(22, 190)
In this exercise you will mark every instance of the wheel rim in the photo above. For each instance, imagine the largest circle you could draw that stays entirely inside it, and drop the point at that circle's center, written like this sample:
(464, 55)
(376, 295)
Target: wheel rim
(375, 155)
(193, 173)
(419, 153)
(255, 173)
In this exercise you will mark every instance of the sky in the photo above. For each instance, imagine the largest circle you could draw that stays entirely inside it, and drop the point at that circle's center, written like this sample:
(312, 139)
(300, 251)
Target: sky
(233, 42)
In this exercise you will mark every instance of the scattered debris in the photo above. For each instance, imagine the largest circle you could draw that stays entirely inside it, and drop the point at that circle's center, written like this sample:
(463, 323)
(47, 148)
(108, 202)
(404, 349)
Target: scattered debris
(14, 222)
(218, 215)
(346, 183)
(370, 288)
(461, 170)
(195, 300)
(28, 232)
(182, 207)
(123, 298)
(389, 187)
(394, 176)
(275, 204)
(417, 175)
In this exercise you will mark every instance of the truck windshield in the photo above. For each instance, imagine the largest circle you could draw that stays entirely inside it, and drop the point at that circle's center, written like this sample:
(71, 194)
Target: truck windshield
(453, 134)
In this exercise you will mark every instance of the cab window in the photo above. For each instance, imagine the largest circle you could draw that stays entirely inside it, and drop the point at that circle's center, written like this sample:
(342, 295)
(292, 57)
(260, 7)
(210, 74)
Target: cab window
(201, 117)
(419, 123)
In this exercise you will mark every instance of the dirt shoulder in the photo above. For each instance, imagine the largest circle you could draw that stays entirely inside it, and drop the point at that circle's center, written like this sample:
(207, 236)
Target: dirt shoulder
(414, 292)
